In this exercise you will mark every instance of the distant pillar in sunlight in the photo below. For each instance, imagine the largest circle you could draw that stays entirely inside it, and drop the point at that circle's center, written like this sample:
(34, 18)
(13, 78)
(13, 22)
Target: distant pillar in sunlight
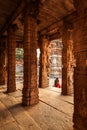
(44, 63)
(67, 60)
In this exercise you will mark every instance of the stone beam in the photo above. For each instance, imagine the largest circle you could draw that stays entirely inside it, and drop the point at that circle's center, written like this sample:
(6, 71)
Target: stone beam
(13, 16)
(52, 29)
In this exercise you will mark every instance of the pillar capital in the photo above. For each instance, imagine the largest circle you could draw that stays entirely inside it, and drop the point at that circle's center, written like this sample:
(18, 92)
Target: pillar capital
(12, 28)
(32, 7)
(68, 25)
(45, 36)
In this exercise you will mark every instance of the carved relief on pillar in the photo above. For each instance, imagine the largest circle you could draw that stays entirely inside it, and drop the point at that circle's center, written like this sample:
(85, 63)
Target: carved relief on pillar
(32, 7)
(2, 65)
(68, 59)
(70, 63)
(30, 90)
(44, 62)
(11, 45)
(80, 72)
(48, 57)
(80, 91)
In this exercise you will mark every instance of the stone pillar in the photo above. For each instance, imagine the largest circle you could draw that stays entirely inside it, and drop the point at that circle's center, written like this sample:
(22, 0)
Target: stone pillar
(68, 61)
(43, 76)
(11, 45)
(80, 74)
(2, 64)
(30, 89)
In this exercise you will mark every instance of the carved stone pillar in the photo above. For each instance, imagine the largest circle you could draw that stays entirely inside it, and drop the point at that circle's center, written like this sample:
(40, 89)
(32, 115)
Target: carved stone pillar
(11, 45)
(80, 74)
(30, 89)
(68, 62)
(43, 77)
(2, 64)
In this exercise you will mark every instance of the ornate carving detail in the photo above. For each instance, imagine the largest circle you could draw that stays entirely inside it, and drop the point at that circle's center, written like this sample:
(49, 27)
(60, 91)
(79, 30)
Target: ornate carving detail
(68, 25)
(13, 27)
(32, 7)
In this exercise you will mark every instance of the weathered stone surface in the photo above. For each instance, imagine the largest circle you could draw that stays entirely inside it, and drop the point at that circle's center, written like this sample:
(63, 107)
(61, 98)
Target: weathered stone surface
(19, 119)
(11, 85)
(68, 60)
(80, 76)
(53, 113)
(30, 90)
(44, 56)
(2, 64)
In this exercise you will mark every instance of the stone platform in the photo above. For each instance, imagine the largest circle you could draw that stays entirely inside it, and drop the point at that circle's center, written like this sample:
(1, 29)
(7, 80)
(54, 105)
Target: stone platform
(53, 112)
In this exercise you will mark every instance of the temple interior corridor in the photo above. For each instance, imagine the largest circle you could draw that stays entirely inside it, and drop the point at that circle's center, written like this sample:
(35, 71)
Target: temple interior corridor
(34, 103)
(53, 113)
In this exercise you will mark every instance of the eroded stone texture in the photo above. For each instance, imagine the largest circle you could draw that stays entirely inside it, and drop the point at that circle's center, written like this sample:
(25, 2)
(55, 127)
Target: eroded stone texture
(71, 64)
(11, 85)
(68, 61)
(2, 64)
(80, 76)
(44, 63)
(30, 90)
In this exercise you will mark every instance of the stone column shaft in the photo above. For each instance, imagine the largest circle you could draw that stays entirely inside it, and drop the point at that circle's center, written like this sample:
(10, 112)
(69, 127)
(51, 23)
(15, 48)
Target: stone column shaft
(80, 74)
(2, 64)
(30, 90)
(43, 77)
(11, 85)
(68, 62)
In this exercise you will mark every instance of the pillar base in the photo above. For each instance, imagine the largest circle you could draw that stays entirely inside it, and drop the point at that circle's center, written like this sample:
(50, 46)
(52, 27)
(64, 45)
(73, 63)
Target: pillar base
(2, 82)
(11, 90)
(29, 102)
(63, 93)
(30, 97)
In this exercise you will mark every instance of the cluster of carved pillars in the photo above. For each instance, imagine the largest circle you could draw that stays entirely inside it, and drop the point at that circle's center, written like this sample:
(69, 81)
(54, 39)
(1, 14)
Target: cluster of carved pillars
(30, 90)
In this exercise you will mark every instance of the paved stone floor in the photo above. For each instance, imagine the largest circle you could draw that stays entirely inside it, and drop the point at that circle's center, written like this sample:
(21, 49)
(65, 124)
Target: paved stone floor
(53, 112)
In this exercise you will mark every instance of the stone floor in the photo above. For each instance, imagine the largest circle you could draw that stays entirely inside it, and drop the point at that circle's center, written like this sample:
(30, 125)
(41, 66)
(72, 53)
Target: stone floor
(53, 112)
